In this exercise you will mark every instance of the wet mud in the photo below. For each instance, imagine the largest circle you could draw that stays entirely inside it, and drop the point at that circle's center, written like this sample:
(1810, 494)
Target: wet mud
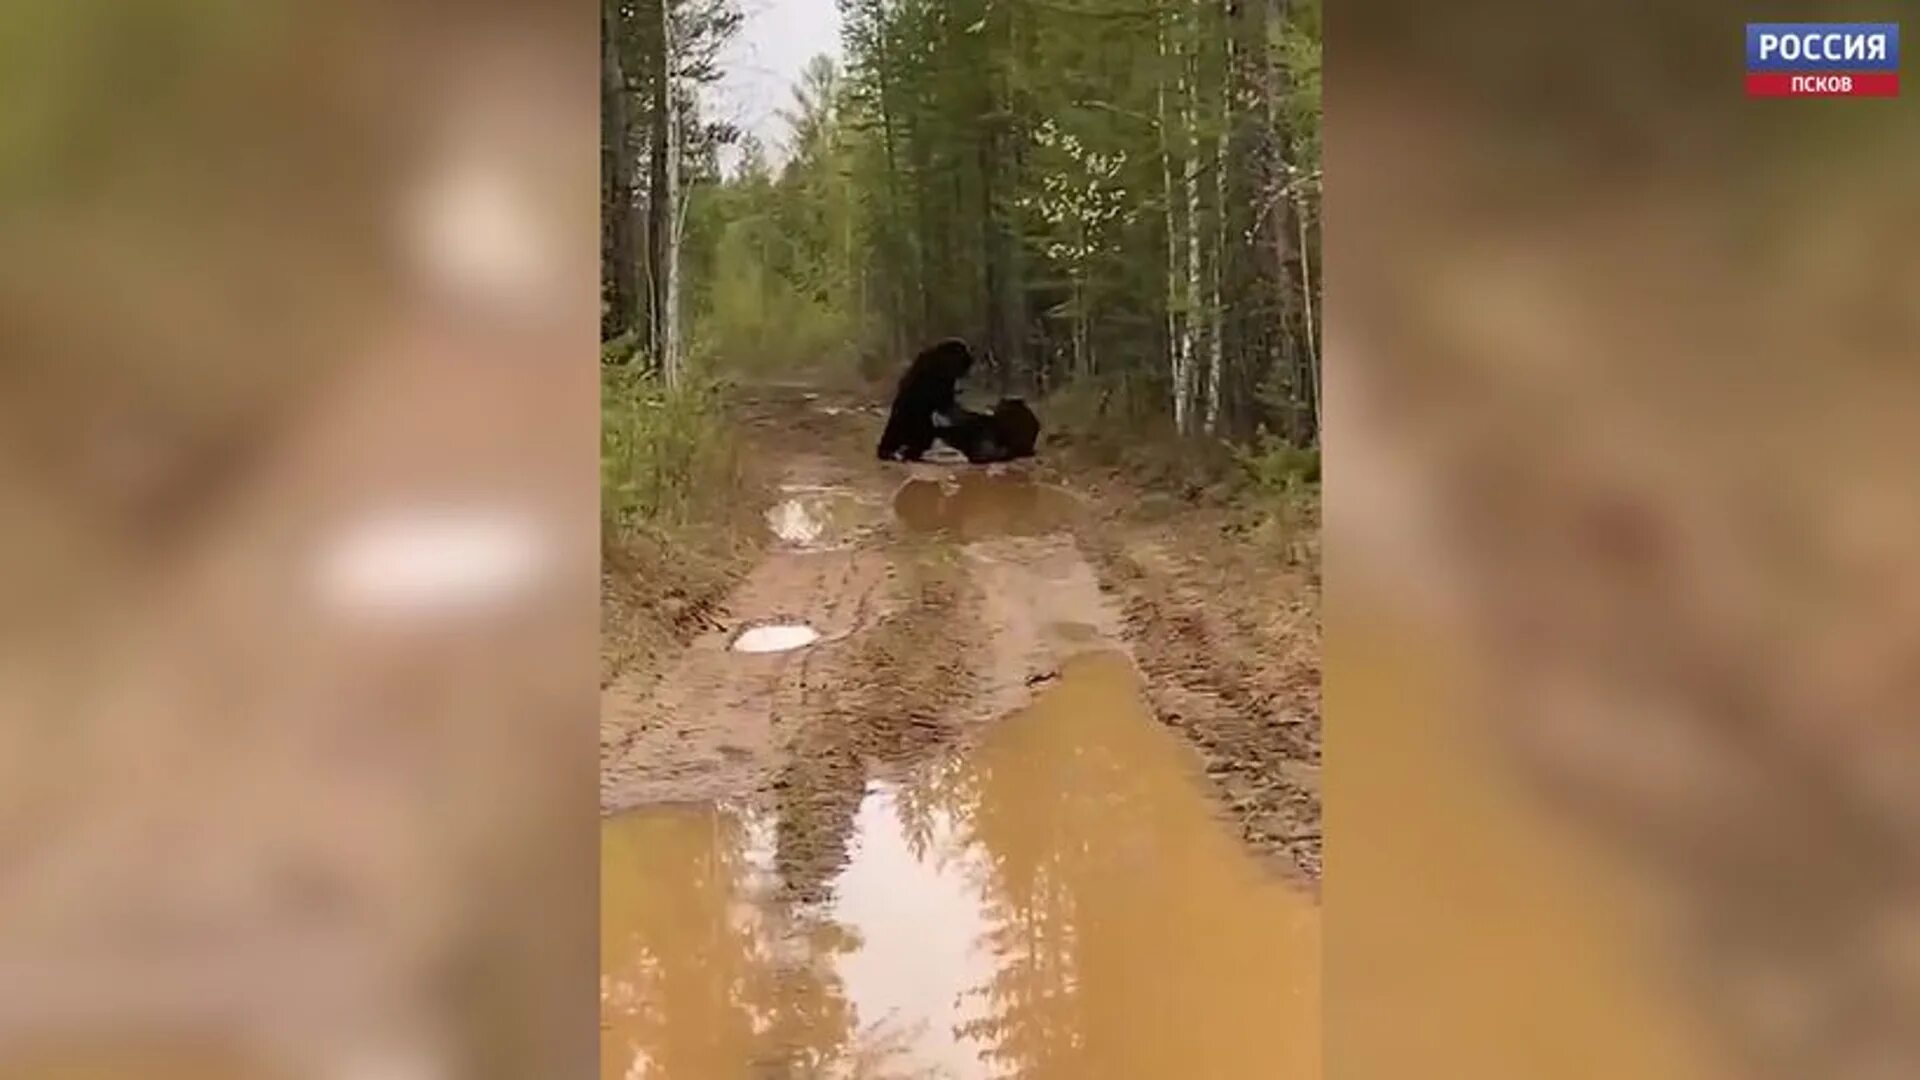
(1057, 898)
(964, 832)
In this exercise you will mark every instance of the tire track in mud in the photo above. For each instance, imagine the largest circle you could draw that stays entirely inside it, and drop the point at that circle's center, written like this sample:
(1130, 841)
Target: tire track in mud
(927, 635)
(710, 728)
(869, 799)
(1254, 718)
(893, 678)
(899, 695)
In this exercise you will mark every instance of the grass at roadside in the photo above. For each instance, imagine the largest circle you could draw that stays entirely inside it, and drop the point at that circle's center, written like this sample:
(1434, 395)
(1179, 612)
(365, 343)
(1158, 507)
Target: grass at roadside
(1266, 494)
(1212, 551)
(679, 513)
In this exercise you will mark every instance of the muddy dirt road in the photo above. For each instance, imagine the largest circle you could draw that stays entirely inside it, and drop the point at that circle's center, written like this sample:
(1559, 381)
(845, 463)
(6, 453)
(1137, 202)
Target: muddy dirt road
(908, 811)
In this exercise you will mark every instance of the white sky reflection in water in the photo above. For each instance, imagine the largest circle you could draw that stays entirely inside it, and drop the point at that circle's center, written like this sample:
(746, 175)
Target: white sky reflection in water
(796, 522)
(1056, 899)
(770, 639)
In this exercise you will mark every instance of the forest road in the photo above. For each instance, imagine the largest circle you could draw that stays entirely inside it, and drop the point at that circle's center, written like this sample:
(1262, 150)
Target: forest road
(909, 792)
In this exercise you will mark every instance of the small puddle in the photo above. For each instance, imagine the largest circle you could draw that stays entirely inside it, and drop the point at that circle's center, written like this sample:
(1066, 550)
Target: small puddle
(816, 519)
(1059, 901)
(976, 505)
(772, 639)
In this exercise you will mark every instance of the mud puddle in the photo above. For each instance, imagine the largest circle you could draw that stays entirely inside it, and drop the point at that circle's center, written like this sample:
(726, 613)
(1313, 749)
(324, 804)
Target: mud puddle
(773, 639)
(811, 518)
(974, 505)
(1058, 900)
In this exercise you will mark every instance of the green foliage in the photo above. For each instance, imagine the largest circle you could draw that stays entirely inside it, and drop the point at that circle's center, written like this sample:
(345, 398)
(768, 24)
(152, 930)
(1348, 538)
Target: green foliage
(1297, 43)
(1277, 499)
(623, 349)
(666, 455)
(1097, 193)
(758, 321)
(775, 260)
(1109, 411)
(1084, 185)
(1272, 467)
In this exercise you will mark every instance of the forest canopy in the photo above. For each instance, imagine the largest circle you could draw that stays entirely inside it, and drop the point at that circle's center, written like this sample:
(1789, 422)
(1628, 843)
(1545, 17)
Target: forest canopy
(1122, 193)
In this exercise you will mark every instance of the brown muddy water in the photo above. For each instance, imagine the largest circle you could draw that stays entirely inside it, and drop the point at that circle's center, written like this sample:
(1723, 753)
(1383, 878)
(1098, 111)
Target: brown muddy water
(972, 505)
(1058, 900)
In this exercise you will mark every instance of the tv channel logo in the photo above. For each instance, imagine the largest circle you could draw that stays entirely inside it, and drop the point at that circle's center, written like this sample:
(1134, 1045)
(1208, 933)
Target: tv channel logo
(1823, 60)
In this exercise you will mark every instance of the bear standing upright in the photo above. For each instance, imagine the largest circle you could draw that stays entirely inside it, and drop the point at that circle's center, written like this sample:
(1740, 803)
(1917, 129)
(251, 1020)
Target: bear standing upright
(928, 388)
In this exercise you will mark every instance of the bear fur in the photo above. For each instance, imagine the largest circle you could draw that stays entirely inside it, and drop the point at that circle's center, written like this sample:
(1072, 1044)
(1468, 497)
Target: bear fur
(926, 392)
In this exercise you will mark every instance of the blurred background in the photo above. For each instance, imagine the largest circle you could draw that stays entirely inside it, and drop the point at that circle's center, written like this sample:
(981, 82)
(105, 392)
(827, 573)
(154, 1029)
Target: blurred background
(297, 443)
(1622, 529)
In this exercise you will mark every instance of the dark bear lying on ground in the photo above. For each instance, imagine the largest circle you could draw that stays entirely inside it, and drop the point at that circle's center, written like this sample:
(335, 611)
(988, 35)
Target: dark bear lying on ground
(927, 389)
(1006, 434)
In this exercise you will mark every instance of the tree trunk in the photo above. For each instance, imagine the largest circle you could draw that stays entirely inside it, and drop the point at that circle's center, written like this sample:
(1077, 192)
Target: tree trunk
(1006, 331)
(986, 144)
(1190, 93)
(1216, 337)
(1014, 301)
(659, 213)
(673, 361)
(663, 214)
(1283, 227)
(1016, 297)
(620, 253)
(1251, 321)
(1311, 352)
(928, 256)
(1179, 345)
(896, 225)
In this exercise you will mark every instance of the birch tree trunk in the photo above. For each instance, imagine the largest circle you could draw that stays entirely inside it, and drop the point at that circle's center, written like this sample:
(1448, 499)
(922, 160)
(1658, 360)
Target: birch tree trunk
(1216, 336)
(666, 202)
(1189, 97)
(659, 213)
(1179, 341)
(673, 361)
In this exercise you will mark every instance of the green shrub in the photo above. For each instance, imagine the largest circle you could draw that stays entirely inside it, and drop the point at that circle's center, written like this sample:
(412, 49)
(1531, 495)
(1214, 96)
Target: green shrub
(1278, 502)
(621, 350)
(760, 323)
(1109, 414)
(1275, 468)
(666, 455)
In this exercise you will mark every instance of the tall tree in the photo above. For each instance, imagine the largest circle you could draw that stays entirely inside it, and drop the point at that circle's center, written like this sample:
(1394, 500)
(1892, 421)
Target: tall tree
(620, 249)
(663, 258)
(658, 55)
(1121, 191)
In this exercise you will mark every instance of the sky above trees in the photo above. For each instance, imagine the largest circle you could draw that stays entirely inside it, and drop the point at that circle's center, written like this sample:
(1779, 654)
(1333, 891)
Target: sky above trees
(765, 60)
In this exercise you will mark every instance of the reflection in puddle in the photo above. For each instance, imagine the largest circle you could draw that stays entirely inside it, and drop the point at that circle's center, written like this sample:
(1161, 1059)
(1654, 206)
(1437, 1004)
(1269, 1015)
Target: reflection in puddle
(770, 639)
(975, 505)
(815, 518)
(1060, 901)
